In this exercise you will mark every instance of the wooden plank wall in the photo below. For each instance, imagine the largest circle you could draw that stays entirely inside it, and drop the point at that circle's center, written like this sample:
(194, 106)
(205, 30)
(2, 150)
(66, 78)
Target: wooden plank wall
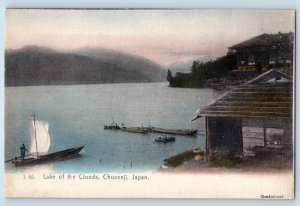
(253, 130)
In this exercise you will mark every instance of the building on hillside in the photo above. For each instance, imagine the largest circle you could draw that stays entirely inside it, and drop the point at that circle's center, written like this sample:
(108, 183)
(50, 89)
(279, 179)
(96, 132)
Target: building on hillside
(264, 52)
(253, 118)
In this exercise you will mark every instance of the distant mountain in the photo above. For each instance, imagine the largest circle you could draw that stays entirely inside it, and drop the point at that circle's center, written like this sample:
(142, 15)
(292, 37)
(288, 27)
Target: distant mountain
(32, 65)
(185, 66)
(130, 62)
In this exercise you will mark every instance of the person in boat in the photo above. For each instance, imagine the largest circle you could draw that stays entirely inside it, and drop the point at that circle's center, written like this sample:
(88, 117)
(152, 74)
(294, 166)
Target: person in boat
(23, 150)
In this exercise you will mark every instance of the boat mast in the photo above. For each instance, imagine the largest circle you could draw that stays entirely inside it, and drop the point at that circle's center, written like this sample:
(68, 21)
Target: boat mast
(149, 119)
(112, 117)
(37, 154)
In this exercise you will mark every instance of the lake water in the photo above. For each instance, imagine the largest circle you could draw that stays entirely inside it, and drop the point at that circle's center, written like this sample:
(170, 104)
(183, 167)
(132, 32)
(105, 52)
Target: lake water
(77, 113)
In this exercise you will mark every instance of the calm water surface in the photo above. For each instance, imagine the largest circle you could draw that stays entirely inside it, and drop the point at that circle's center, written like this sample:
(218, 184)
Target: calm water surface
(77, 113)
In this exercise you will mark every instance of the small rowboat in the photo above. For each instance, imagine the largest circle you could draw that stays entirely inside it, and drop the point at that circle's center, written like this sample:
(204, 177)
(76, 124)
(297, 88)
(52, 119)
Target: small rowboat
(165, 139)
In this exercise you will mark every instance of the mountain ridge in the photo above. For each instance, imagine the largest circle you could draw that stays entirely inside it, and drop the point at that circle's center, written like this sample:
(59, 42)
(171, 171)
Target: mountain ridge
(131, 62)
(34, 65)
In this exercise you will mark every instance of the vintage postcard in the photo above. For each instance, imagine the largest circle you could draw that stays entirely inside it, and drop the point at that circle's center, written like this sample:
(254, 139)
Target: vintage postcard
(145, 103)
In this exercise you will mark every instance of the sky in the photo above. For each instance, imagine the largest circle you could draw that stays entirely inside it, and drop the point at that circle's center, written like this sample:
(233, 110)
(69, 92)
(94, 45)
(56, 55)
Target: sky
(164, 36)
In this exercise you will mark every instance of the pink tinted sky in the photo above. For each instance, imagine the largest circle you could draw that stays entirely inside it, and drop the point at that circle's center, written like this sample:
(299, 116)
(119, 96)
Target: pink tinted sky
(164, 36)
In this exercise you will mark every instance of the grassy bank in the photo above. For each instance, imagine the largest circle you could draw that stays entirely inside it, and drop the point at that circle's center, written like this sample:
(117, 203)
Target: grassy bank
(178, 159)
(228, 161)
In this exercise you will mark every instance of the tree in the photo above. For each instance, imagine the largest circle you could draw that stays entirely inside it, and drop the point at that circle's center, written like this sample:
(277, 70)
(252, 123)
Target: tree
(195, 66)
(203, 71)
(169, 76)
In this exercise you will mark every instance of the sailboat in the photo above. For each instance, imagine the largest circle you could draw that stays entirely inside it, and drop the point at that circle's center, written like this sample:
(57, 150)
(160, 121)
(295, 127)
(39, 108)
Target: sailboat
(40, 144)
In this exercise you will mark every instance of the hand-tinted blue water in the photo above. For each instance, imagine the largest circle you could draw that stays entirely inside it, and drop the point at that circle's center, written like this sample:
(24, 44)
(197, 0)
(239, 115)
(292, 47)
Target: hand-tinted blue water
(77, 113)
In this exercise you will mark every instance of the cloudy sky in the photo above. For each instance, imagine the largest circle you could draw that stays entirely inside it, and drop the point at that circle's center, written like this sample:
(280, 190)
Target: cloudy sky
(164, 36)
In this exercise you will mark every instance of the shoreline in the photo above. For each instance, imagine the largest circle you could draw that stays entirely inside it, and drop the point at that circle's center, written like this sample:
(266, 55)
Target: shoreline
(245, 165)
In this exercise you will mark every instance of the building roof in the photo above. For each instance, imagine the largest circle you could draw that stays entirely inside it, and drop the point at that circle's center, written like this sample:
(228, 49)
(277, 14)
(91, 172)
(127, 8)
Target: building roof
(267, 39)
(268, 95)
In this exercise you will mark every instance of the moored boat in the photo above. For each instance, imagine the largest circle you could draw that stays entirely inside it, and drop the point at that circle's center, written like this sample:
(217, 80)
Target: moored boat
(113, 126)
(165, 139)
(147, 129)
(175, 131)
(133, 129)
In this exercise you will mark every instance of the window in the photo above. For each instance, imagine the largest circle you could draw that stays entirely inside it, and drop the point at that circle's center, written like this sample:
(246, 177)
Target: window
(252, 136)
(274, 136)
(271, 62)
(251, 60)
(288, 61)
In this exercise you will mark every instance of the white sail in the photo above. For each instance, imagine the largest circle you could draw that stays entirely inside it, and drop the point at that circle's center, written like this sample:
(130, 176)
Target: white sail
(39, 132)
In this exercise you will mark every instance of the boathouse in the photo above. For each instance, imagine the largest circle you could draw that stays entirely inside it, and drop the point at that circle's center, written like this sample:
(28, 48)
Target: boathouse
(253, 118)
(262, 53)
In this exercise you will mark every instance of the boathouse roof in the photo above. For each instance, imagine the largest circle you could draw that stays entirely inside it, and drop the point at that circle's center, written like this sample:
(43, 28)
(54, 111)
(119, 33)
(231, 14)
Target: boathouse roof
(267, 39)
(268, 95)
